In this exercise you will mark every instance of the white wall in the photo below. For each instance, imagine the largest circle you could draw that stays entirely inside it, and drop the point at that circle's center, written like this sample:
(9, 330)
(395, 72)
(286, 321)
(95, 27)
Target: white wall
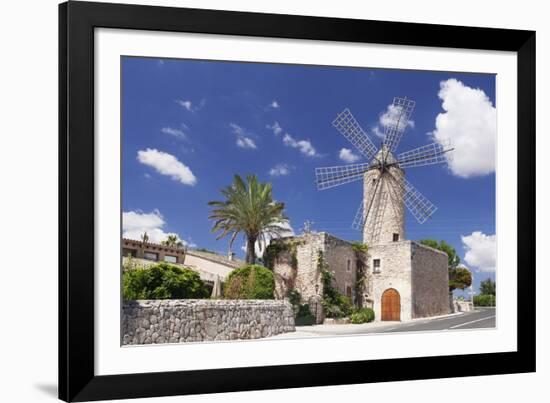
(28, 171)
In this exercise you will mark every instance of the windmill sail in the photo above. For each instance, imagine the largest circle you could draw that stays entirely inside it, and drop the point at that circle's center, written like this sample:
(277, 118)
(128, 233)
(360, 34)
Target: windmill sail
(399, 114)
(327, 177)
(435, 153)
(346, 124)
(418, 204)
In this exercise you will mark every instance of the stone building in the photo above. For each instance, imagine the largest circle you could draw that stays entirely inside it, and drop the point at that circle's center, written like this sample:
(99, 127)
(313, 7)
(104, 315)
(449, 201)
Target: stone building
(401, 280)
(210, 266)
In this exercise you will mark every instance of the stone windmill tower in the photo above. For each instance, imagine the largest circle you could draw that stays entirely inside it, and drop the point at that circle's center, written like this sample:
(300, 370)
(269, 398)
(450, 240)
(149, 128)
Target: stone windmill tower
(381, 214)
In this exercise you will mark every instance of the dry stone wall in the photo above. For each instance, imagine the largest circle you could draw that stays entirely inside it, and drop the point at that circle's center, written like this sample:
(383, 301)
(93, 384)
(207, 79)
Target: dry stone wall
(177, 321)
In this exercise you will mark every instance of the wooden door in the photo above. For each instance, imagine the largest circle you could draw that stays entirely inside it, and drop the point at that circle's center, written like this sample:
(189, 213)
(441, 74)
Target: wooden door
(391, 305)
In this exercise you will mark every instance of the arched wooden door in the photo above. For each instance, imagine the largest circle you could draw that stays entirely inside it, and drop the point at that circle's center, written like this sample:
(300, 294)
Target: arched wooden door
(391, 305)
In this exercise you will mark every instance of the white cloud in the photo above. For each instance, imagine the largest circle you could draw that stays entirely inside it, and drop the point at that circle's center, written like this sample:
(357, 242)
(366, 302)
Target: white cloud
(348, 156)
(304, 146)
(174, 132)
(390, 117)
(274, 105)
(244, 138)
(189, 105)
(246, 142)
(480, 251)
(280, 170)
(377, 132)
(276, 128)
(469, 123)
(167, 164)
(135, 223)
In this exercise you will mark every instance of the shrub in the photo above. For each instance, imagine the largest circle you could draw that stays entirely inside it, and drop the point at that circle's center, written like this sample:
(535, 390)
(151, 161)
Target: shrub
(484, 300)
(249, 282)
(304, 316)
(362, 315)
(162, 281)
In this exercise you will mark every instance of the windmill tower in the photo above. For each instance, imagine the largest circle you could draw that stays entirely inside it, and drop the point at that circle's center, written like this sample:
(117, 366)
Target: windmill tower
(381, 213)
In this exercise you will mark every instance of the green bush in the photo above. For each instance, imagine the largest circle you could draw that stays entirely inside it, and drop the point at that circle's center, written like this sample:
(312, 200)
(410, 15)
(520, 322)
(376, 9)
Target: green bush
(484, 300)
(304, 316)
(162, 281)
(362, 315)
(249, 282)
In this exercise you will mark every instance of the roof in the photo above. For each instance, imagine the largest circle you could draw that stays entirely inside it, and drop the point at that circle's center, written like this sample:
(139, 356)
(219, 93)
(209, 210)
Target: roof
(216, 258)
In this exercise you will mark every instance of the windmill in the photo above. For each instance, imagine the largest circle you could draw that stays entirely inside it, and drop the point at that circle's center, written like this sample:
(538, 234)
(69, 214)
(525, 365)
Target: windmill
(381, 215)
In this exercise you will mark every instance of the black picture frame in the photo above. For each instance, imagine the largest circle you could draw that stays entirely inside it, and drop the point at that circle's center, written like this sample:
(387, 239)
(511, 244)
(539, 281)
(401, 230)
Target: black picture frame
(77, 21)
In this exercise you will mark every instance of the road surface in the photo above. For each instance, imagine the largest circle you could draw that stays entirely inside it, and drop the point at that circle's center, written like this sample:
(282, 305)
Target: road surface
(480, 318)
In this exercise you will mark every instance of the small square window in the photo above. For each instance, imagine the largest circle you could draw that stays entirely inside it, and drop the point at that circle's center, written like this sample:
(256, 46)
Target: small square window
(395, 237)
(376, 265)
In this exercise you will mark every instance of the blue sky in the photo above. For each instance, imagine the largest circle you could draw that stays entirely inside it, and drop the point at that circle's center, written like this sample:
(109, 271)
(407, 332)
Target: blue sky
(189, 126)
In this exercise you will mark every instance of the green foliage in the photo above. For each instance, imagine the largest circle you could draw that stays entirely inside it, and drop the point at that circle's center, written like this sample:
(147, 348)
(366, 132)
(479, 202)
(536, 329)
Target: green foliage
(484, 300)
(361, 253)
(172, 241)
(459, 278)
(304, 316)
(248, 209)
(360, 247)
(362, 315)
(274, 249)
(162, 281)
(294, 297)
(488, 287)
(335, 304)
(454, 259)
(249, 282)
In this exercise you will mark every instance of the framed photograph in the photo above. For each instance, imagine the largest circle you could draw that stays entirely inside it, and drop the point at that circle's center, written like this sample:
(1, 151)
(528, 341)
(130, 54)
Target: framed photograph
(257, 201)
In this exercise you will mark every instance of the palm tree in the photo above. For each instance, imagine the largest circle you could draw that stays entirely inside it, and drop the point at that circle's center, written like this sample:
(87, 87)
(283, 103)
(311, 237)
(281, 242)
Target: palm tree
(144, 237)
(171, 241)
(249, 209)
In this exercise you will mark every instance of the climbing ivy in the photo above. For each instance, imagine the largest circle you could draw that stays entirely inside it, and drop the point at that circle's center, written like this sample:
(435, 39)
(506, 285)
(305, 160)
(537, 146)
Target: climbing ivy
(335, 304)
(361, 253)
(276, 248)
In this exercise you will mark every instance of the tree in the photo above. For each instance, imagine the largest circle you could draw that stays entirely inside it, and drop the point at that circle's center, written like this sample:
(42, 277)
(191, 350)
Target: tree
(172, 241)
(248, 209)
(144, 237)
(459, 276)
(488, 287)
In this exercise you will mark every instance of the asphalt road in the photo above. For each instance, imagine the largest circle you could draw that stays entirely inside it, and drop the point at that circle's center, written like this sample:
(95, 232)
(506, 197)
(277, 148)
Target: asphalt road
(480, 318)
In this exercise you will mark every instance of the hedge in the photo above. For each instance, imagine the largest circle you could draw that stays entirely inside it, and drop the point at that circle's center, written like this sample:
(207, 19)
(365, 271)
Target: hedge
(484, 300)
(249, 282)
(363, 315)
(163, 281)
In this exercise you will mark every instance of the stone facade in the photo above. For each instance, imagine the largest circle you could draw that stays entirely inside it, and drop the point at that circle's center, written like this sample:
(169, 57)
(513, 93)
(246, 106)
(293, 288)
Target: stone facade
(418, 273)
(297, 267)
(385, 219)
(177, 321)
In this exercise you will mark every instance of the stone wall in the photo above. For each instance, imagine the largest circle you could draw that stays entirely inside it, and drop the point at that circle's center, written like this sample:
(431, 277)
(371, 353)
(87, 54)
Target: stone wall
(177, 321)
(395, 272)
(430, 281)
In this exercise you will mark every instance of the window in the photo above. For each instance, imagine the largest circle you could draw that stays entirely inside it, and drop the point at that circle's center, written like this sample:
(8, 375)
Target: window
(395, 237)
(348, 291)
(170, 259)
(376, 265)
(150, 256)
(128, 252)
(349, 265)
